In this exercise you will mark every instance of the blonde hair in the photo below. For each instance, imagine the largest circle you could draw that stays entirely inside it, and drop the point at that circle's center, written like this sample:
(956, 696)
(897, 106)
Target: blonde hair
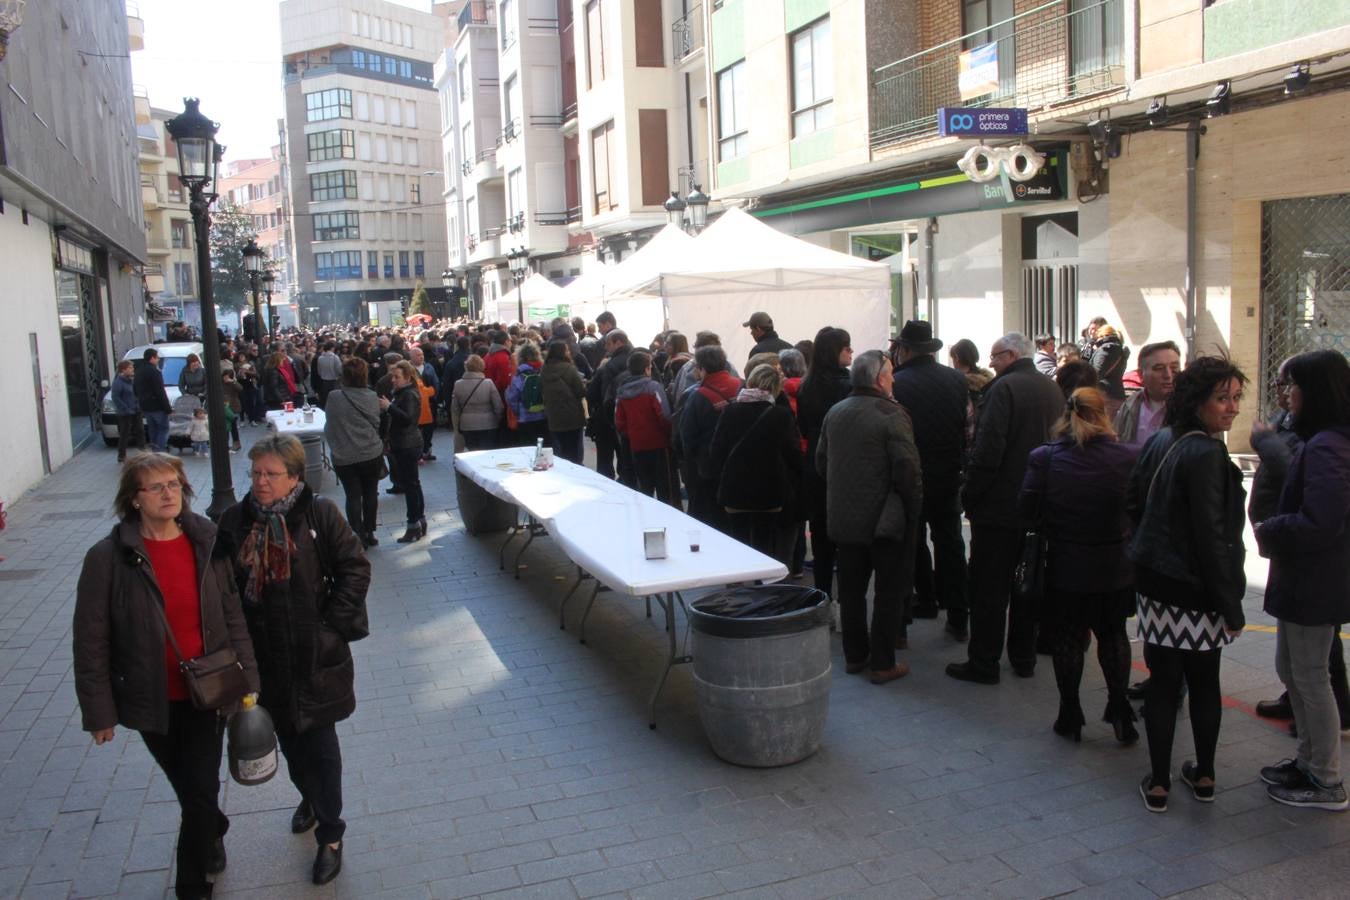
(765, 378)
(1085, 417)
(129, 482)
(285, 447)
(406, 369)
(767, 358)
(474, 363)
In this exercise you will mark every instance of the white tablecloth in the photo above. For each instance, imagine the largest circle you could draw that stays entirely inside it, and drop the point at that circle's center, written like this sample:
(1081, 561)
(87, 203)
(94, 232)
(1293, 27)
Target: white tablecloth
(599, 523)
(283, 422)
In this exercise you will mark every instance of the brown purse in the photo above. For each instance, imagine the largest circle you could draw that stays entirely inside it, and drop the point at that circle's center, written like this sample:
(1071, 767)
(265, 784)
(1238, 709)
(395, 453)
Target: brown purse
(214, 680)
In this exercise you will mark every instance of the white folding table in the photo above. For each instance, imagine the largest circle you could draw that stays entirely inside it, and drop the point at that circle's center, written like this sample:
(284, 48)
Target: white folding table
(293, 423)
(599, 524)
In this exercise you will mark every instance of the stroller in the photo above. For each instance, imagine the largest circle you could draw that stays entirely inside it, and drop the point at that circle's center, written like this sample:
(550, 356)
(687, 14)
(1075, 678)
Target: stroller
(180, 421)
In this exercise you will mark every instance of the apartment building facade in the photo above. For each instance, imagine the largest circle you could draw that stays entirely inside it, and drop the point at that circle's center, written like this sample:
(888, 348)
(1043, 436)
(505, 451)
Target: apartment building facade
(72, 236)
(569, 123)
(171, 255)
(362, 150)
(256, 187)
(825, 117)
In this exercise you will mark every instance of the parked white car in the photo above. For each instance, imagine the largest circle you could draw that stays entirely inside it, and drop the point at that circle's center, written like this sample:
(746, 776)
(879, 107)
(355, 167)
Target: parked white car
(172, 361)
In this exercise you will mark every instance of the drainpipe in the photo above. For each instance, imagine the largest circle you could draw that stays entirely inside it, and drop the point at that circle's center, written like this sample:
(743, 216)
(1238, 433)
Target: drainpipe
(930, 271)
(1193, 132)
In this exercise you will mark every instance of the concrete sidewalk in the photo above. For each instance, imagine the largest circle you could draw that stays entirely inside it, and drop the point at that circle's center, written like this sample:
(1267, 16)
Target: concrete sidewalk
(492, 754)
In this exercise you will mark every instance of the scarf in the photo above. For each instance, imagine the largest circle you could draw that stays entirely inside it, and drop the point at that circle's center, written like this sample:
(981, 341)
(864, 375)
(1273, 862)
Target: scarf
(753, 395)
(267, 549)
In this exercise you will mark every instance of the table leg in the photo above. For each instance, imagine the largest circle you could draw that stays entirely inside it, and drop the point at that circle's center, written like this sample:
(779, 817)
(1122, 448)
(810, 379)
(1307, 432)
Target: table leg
(501, 554)
(586, 613)
(667, 603)
(562, 607)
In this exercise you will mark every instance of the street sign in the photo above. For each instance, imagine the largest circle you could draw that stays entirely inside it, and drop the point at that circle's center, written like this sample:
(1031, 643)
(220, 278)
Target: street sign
(968, 121)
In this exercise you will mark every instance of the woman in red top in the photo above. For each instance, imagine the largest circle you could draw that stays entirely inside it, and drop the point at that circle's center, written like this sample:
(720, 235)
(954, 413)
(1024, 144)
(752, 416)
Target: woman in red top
(161, 558)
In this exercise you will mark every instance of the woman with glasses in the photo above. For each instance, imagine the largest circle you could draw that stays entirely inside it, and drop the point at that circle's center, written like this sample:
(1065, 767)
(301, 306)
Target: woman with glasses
(303, 579)
(159, 568)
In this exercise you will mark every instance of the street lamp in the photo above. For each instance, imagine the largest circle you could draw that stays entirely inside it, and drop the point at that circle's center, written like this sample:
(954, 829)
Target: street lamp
(253, 261)
(198, 163)
(447, 282)
(519, 261)
(675, 208)
(268, 279)
(690, 213)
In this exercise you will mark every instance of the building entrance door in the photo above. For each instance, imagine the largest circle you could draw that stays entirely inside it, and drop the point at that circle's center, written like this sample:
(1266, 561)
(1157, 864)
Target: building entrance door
(81, 347)
(1305, 282)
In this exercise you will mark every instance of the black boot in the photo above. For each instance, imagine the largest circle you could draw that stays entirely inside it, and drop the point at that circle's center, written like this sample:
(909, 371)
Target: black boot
(414, 533)
(1120, 715)
(1275, 709)
(1069, 724)
(327, 863)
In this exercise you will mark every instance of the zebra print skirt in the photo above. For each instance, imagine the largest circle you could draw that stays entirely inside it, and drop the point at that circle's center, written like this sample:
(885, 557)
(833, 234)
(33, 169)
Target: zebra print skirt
(1183, 629)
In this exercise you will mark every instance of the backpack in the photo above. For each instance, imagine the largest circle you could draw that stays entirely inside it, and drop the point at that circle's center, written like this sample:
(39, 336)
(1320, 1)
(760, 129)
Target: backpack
(532, 393)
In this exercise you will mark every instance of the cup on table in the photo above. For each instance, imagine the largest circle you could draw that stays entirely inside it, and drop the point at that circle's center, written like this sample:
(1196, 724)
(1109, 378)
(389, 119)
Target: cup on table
(694, 537)
(288, 406)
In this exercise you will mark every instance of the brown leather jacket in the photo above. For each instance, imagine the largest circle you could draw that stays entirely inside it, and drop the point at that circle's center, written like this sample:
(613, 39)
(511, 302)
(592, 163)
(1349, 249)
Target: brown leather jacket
(119, 639)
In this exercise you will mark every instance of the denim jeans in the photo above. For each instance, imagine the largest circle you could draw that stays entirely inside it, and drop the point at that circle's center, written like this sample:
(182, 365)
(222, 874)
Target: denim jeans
(1301, 653)
(157, 428)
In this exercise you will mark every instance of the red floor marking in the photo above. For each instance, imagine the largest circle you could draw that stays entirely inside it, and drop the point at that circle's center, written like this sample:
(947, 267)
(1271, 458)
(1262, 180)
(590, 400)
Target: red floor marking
(1280, 725)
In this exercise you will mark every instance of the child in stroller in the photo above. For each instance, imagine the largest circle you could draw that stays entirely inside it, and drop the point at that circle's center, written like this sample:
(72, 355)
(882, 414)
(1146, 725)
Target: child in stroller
(181, 420)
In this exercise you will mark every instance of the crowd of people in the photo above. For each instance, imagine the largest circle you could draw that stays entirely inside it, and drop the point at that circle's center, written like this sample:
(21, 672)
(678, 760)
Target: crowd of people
(855, 468)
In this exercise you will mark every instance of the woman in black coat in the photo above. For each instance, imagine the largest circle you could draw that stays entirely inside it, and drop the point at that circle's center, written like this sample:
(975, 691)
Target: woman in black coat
(405, 444)
(825, 384)
(1308, 543)
(303, 578)
(156, 587)
(757, 449)
(1074, 493)
(1186, 501)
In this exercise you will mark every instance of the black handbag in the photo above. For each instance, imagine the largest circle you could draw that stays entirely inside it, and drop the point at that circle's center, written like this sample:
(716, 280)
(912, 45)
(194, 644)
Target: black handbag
(214, 680)
(1029, 576)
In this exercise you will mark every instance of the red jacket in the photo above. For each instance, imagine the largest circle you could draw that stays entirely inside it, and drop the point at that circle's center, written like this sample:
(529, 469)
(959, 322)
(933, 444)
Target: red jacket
(498, 369)
(641, 415)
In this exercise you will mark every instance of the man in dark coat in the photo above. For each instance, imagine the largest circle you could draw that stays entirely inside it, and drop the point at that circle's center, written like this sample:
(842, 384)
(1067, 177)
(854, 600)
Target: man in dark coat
(1020, 407)
(873, 498)
(766, 339)
(696, 425)
(601, 397)
(154, 400)
(936, 398)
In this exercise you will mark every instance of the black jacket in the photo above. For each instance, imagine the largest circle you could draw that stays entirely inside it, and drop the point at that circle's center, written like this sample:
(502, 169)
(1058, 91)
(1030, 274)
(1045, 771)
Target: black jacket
(1019, 408)
(404, 410)
(758, 452)
(149, 383)
(819, 391)
(301, 630)
(696, 421)
(1276, 450)
(119, 639)
(600, 393)
(936, 397)
(1308, 537)
(1187, 546)
(770, 343)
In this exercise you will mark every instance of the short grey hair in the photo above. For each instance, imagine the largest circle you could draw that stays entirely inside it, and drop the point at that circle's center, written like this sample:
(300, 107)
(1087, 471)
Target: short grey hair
(1018, 343)
(866, 368)
(793, 363)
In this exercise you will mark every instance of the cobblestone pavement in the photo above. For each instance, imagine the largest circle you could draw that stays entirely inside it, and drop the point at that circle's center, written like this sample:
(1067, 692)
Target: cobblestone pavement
(492, 754)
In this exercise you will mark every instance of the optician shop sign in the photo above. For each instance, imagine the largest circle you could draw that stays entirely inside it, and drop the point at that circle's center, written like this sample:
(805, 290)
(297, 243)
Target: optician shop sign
(965, 121)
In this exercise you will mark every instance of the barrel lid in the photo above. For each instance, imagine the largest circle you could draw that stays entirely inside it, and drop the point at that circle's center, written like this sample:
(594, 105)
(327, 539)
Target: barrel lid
(760, 611)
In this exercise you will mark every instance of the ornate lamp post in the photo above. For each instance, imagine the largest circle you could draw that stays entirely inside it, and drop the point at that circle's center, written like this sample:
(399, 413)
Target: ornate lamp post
(447, 282)
(519, 261)
(268, 279)
(675, 208)
(253, 262)
(198, 163)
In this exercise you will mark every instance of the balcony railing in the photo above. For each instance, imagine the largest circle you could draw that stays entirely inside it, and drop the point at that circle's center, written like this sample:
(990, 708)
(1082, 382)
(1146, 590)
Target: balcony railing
(515, 223)
(1059, 51)
(511, 131)
(477, 12)
(556, 218)
(687, 33)
(573, 214)
(569, 111)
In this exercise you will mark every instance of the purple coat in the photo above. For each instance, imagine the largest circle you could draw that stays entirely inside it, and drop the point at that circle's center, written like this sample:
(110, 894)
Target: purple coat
(1308, 538)
(1078, 495)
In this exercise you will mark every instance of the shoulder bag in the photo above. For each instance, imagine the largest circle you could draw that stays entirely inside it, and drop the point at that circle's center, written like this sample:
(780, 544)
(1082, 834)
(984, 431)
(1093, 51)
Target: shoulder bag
(214, 680)
(460, 446)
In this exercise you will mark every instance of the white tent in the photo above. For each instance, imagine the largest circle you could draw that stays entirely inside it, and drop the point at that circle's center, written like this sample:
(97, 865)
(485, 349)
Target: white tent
(740, 265)
(630, 289)
(542, 298)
